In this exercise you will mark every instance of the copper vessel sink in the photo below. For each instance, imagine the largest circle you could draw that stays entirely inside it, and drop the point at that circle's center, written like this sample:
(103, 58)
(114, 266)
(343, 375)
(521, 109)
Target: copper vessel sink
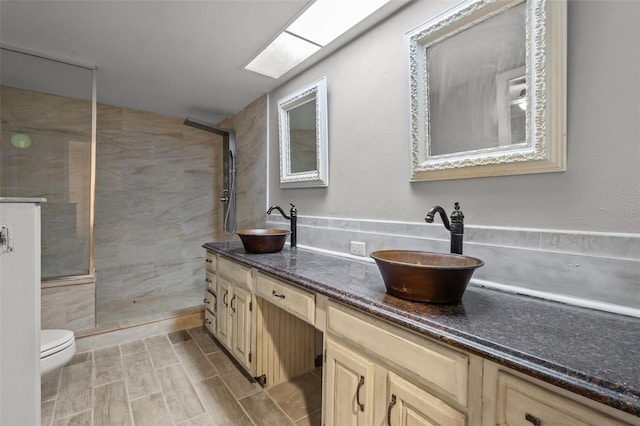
(424, 276)
(263, 240)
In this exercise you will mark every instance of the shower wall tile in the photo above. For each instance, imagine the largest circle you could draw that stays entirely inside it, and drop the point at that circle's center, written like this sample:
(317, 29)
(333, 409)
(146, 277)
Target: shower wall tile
(71, 307)
(109, 117)
(250, 126)
(139, 122)
(157, 189)
(71, 117)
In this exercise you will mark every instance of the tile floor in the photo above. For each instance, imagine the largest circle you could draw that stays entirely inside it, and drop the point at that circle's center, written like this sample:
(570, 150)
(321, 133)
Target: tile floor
(181, 378)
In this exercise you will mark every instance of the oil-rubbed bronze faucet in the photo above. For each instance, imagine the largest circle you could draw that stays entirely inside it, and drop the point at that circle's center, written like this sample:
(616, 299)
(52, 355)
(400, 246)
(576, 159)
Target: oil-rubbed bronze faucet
(456, 227)
(293, 217)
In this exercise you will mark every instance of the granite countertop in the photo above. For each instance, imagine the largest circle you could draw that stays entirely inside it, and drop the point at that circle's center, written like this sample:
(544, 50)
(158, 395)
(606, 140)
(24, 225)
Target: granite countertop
(589, 352)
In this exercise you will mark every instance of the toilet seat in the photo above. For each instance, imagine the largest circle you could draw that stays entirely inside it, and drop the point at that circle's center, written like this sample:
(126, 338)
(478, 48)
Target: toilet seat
(54, 341)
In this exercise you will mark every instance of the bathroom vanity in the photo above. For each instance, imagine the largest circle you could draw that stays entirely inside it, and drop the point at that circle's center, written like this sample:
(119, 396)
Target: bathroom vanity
(493, 359)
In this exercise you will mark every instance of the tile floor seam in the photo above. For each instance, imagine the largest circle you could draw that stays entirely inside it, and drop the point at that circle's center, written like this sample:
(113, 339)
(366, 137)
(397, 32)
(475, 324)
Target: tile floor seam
(53, 411)
(126, 389)
(279, 407)
(228, 388)
(191, 382)
(164, 397)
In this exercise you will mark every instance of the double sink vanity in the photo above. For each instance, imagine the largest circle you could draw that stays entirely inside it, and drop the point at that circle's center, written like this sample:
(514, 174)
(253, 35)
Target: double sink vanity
(495, 358)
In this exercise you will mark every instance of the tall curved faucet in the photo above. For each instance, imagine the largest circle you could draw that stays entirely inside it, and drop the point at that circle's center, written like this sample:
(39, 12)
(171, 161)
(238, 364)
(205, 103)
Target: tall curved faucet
(293, 217)
(456, 227)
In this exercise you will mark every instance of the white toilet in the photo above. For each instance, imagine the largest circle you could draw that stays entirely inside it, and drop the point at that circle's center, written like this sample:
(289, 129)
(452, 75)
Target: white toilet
(57, 347)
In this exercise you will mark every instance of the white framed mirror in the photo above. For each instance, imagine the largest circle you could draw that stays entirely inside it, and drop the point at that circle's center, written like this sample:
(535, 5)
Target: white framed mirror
(487, 89)
(303, 135)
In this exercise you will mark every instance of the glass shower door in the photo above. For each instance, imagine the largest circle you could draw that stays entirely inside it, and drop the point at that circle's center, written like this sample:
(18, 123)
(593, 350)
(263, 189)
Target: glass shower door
(46, 150)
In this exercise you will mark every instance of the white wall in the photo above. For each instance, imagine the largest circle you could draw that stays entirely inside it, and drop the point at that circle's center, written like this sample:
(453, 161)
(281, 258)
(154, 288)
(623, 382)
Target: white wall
(369, 139)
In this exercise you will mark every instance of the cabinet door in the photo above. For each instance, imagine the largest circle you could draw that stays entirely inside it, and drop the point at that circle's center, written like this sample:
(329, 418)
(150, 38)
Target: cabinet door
(520, 403)
(408, 404)
(224, 325)
(349, 384)
(241, 325)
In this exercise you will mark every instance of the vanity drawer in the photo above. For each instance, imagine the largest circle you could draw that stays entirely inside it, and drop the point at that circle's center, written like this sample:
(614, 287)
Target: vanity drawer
(210, 261)
(210, 279)
(234, 272)
(445, 370)
(209, 301)
(519, 402)
(294, 300)
(210, 322)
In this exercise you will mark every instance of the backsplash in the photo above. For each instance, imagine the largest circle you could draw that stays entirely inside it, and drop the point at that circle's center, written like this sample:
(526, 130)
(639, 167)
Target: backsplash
(595, 270)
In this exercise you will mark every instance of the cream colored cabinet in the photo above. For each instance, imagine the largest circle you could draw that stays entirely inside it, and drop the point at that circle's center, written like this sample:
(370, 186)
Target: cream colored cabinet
(234, 320)
(377, 373)
(514, 399)
(349, 380)
(409, 404)
(210, 317)
(403, 379)
(234, 308)
(240, 322)
(225, 289)
(296, 301)
(266, 324)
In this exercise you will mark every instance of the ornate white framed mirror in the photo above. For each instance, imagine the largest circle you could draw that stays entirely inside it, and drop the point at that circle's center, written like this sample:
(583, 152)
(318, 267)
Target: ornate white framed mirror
(487, 89)
(303, 135)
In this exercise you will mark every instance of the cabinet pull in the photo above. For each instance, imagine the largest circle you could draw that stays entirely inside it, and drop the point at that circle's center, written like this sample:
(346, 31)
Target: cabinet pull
(225, 297)
(207, 280)
(360, 384)
(274, 294)
(533, 419)
(391, 404)
(232, 299)
(205, 300)
(207, 321)
(209, 261)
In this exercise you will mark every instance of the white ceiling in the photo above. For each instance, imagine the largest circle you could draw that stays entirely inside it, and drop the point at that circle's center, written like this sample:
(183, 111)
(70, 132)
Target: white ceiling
(176, 58)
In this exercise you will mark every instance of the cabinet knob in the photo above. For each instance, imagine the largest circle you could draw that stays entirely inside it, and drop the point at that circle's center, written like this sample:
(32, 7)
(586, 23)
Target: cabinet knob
(360, 384)
(391, 404)
(533, 419)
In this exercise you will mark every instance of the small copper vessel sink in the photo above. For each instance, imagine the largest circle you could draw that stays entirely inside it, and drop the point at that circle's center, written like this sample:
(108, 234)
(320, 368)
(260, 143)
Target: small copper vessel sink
(424, 276)
(263, 240)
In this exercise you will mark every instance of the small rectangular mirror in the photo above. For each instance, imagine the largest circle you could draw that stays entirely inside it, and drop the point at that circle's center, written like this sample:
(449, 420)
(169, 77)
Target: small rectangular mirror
(487, 90)
(303, 134)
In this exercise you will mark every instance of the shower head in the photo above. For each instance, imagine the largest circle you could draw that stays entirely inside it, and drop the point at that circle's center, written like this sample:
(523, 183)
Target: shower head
(207, 127)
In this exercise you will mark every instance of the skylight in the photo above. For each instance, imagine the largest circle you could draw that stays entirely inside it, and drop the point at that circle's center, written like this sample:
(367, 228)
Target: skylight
(316, 27)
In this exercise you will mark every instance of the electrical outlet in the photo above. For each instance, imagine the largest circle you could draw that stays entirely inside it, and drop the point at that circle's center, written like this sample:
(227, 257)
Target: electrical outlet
(357, 248)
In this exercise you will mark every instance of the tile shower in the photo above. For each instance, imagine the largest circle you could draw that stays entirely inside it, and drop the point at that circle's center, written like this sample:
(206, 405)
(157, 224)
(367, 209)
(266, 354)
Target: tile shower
(156, 202)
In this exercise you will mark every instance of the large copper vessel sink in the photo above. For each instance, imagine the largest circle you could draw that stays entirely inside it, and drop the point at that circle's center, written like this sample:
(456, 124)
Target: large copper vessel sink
(263, 240)
(424, 276)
